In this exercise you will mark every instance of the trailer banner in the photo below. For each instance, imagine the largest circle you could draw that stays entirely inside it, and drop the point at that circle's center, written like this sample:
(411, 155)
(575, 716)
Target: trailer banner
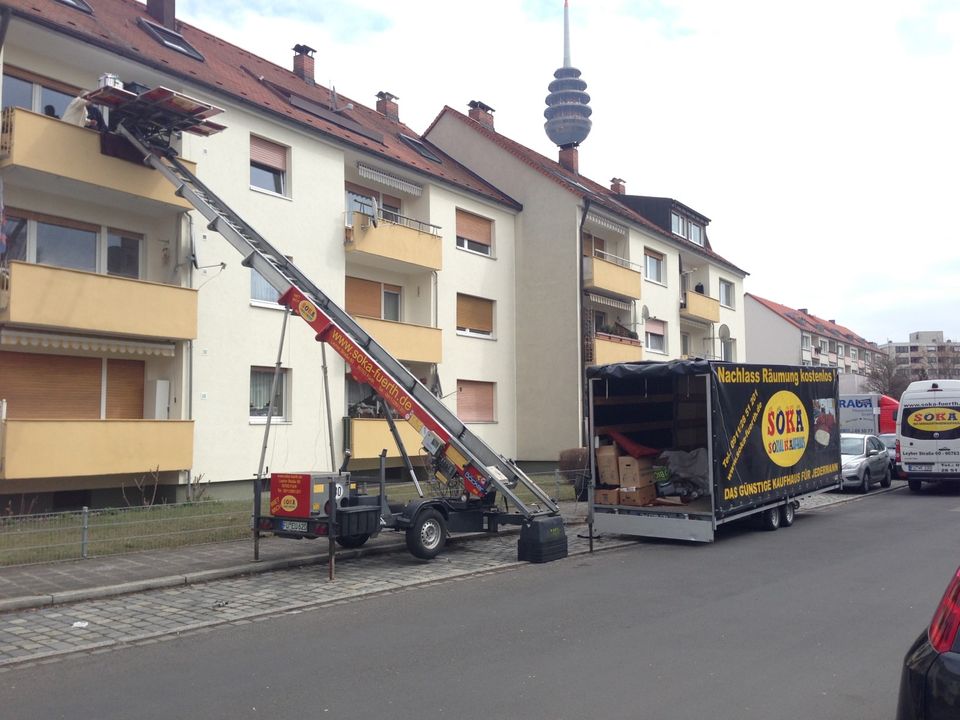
(775, 433)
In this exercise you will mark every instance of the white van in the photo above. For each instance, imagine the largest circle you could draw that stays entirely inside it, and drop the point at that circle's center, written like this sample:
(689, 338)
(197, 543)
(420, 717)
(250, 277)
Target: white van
(928, 432)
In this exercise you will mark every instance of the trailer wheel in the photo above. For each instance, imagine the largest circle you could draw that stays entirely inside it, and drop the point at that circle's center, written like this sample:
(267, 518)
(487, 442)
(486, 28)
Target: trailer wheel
(770, 519)
(352, 541)
(427, 535)
(788, 513)
(914, 485)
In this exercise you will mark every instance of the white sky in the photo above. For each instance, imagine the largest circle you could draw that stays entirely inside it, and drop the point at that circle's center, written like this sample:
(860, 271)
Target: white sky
(821, 138)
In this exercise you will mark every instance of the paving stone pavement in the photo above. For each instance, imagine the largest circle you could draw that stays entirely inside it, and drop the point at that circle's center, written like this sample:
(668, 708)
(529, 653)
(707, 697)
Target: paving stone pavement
(95, 623)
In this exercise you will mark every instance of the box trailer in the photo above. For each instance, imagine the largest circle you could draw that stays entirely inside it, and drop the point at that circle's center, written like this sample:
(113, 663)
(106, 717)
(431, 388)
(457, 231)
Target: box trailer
(715, 441)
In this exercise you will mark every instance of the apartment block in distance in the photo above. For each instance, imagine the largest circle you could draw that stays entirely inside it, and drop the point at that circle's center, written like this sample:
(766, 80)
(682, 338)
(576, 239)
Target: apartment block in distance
(133, 340)
(926, 356)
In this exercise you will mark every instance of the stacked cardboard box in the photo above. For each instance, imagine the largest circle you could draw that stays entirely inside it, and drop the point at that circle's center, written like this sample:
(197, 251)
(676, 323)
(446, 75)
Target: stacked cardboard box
(635, 471)
(606, 497)
(643, 495)
(608, 468)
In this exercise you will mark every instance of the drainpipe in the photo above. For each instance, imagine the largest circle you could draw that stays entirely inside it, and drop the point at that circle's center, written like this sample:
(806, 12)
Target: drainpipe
(584, 400)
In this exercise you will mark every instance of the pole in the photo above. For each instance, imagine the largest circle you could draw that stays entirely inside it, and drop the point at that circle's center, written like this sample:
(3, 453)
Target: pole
(591, 482)
(331, 530)
(258, 481)
(326, 393)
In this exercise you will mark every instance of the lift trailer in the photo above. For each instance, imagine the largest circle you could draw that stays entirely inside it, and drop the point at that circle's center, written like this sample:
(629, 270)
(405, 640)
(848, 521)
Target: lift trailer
(141, 126)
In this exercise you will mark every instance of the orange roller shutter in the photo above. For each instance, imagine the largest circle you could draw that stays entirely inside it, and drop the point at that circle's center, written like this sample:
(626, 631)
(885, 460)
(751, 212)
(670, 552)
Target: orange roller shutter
(474, 313)
(363, 297)
(473, 227)
(50, 387)
(475, 401)
(125, 389)
(264, 152)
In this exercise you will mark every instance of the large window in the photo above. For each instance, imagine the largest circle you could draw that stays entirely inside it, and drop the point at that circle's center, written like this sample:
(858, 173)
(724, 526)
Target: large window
(36, 93)
(653, 266)
(268, 166)
(475, 401)
(474, 315)
(61, 242)
(371, 298)
(727, 295)
(474, 233)
(261, 381)
(369, 202)
(655, 335)
(686, 228)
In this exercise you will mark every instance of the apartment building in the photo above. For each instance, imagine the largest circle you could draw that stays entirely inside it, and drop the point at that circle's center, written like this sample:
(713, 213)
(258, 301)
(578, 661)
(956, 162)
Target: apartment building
(783, 335)
(602, 276)
(925, 356)
(132, 340)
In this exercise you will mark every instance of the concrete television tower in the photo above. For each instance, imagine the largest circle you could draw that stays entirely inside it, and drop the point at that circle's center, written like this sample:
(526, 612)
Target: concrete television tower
(568, 110)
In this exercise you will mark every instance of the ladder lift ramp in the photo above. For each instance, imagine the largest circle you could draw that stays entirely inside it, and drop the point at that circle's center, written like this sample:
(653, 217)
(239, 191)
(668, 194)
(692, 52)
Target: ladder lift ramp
(147, 121)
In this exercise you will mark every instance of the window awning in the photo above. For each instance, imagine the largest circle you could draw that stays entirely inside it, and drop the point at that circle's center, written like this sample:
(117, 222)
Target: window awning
(27, 339)
(608, 301)
(385, 178)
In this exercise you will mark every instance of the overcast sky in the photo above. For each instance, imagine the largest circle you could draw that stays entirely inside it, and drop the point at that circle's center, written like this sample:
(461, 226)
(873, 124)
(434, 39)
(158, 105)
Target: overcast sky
(821, 138)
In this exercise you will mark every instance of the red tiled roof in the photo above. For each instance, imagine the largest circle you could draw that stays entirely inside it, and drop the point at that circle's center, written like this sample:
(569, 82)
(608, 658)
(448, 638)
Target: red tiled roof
(232, 71)
(815, 325)
(575, 183)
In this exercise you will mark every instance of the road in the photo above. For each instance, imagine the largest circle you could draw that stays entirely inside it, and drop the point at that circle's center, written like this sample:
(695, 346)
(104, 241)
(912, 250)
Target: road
(808, 622)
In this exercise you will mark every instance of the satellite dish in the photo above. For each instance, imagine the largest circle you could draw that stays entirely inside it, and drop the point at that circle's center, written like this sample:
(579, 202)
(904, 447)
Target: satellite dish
(375, 210)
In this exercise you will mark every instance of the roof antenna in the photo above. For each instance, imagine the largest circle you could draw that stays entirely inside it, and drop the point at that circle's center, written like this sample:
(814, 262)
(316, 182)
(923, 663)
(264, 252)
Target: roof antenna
(334, 101)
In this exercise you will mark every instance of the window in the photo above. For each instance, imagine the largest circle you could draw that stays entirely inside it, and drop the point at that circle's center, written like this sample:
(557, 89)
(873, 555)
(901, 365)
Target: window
(841, 350)
(261, 290)
(420, 147)
(474, 233)
(805, 341)
(123, 253)
(364, 200)
(474, 315)
(824, 346)
(34, 92)
(370, 298)
(79, 5)
(685, 344)
(653, 266)
(268, 165)
(655, 336)
(686, 228)
(67, 246)
(853, 353)
(475, 401)
(171, 39)
(261, 381)
(727, 294)
(728, 349)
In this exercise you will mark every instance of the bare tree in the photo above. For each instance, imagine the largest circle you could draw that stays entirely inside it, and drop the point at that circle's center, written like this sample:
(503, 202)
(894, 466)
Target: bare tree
(884, 378)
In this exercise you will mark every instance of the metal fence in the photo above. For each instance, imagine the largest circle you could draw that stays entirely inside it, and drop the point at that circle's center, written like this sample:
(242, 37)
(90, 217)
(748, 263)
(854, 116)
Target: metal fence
(51, 537)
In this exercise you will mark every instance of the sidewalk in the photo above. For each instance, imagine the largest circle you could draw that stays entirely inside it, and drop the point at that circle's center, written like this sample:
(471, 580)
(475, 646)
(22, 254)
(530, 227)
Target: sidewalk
(35, 586)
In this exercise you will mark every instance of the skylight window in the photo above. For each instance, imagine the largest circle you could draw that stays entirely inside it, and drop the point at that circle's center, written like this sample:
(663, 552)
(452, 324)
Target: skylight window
(420, 148)
(173, 40)
(78, 4)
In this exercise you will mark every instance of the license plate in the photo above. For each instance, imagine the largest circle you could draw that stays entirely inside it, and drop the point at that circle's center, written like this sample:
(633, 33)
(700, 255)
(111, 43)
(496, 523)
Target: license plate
(920, 467)
(293, 525)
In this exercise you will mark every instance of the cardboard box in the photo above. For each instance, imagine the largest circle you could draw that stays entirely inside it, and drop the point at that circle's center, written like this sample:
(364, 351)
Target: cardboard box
(638, 495)
(606, 497)
(634, 473)
(607, 467)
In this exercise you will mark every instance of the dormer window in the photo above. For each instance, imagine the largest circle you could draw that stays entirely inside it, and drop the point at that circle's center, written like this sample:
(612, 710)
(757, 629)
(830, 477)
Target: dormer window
(686, 228)
(79, 5)
(173, 40)
(420, 148)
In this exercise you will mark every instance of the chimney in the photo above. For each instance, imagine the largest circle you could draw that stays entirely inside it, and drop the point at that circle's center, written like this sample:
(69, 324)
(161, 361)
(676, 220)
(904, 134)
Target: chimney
(619, 186)
(832, 322)
(569, 158)
(804, 311)
(482, 113)
(386, 105)
(164, 12)
(303, 62)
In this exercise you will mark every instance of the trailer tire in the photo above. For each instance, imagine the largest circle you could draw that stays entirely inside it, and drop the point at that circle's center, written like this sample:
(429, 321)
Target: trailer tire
(770, 519)
(914, 485)
(427, 535)
(788, 513)
(352, 541)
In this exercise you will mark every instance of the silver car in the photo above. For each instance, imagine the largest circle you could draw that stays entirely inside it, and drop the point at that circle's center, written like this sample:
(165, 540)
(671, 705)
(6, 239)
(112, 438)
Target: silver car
(865, 461)
(889, 441)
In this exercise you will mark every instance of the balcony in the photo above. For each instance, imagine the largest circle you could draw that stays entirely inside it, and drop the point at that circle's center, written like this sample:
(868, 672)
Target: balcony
(614, 349)
(394, 239)
(53, 156)
(53, 298)
(75, 448)
(694, 306)
(369, 436)
(405, 341)
(613, 276)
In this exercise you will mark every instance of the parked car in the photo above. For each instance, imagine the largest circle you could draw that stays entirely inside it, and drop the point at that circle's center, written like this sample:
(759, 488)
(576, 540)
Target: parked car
(865, 460)
(930, 680)
(889, 441)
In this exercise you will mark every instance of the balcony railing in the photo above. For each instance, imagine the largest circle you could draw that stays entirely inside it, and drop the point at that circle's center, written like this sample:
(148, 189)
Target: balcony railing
(613, 276)
(395, 237)
(614, 349)
(40, 148)
(51, 298)
(76, 448)
(405, 341)
(696, 306)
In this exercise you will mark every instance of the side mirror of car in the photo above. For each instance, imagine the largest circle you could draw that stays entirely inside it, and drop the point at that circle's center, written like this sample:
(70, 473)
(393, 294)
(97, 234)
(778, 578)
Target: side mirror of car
(871, 452)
